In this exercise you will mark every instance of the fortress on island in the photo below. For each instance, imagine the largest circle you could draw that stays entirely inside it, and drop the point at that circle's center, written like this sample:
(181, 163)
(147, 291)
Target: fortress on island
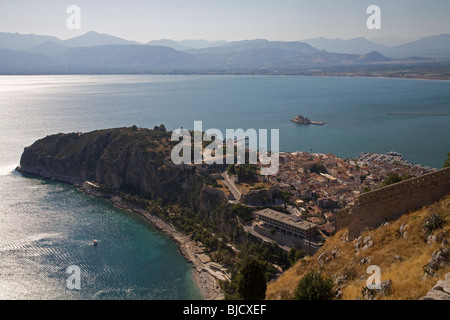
(303, 120)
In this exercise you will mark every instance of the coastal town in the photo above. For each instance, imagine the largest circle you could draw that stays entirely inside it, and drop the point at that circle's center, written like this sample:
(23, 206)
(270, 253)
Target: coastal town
(312, 188)
(297, 208)
(231, 212)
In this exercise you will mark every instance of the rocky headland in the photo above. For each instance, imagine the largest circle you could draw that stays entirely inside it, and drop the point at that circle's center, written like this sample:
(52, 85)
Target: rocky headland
(131, 167)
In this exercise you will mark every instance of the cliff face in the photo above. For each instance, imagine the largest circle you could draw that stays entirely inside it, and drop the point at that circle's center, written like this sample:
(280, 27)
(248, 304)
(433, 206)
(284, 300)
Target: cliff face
(127, 159)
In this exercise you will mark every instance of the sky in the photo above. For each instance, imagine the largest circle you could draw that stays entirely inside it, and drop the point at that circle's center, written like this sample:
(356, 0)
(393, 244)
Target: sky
(230, 20)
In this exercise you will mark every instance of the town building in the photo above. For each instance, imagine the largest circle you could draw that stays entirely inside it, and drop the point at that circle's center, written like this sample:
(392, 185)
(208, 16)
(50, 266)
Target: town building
(287, 224)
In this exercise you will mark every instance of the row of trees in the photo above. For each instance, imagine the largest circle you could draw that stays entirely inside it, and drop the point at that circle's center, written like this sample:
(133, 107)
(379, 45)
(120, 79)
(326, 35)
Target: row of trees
(243, 171)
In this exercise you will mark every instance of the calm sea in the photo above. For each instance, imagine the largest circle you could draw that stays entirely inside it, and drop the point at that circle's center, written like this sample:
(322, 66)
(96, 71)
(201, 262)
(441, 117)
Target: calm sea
(45, 227)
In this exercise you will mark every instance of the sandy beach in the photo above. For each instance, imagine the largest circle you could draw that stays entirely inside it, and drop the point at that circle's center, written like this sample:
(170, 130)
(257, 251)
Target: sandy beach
(203, 276)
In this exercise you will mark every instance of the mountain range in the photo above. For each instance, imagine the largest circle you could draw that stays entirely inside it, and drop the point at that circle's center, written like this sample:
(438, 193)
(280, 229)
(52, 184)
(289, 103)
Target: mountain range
(101, 53)
(427, 47)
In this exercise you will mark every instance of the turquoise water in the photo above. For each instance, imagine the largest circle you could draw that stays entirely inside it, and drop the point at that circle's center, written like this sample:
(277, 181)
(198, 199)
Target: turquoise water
(47, 226)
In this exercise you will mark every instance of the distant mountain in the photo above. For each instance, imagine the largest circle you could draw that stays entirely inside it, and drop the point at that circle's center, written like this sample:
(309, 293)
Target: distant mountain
(184, 45)
(49, 48)
(428, 47)
(391, 41)
(352, 46)
(123, 59)
(244, 45)
(22, 62)
(18, 41)
(200, 44)
(168, 43)
(372, 57)
(101, 53)
(93, 38)
(275, 54)
(242, 55)
(255, 53)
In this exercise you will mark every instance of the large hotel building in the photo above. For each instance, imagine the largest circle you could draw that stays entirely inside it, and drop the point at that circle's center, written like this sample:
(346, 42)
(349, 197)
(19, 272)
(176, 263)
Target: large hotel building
(296, 228)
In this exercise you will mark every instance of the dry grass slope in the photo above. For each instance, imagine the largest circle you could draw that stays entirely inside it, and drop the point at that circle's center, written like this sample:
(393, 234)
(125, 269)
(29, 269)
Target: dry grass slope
(401, 259)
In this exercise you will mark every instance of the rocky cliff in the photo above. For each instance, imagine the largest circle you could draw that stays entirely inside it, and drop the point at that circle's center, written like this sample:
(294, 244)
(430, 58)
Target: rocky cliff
(131, 160)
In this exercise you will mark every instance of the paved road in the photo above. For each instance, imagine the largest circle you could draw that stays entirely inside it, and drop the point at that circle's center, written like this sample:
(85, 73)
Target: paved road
(230, 184)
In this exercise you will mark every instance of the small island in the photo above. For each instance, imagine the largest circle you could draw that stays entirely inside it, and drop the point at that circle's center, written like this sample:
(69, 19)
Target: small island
(303, 120)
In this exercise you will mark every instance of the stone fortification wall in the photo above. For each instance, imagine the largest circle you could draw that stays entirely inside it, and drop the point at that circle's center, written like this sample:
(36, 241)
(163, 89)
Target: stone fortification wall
(373, 208)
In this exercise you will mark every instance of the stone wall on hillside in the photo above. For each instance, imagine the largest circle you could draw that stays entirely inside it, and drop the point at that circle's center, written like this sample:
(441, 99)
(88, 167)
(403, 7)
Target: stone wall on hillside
(373, 208)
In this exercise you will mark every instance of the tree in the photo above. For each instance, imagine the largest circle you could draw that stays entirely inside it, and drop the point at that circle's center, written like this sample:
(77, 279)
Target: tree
(394, 177)
(314, 286)
(242, 212)
(295, 255)
(246, 171)
(447, 162)
(252, 283)
(231, 169)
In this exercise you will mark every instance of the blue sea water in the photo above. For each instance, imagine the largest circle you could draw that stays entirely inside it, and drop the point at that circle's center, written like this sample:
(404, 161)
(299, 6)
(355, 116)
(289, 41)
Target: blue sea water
(47, 226)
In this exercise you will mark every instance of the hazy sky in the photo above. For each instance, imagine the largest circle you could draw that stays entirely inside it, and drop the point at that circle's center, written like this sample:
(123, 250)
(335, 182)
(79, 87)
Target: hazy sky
(286, 20)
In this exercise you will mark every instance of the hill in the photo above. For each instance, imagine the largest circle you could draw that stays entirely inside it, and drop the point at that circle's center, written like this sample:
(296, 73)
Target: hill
(186, 44)
(18, 41)
(128, 58)
(167, 43)
(437, 46)
(49, 48)
(126, 159)
(353, 46)
(261, 53)
(131, 167)
(249, 55)
(402, 249)
(93, 38)
(428, 47)
(18, 62)
(96, 53)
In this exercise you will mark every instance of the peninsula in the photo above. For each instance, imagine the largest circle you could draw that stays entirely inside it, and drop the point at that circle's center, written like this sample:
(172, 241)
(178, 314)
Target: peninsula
(222, 215)
(128, 166)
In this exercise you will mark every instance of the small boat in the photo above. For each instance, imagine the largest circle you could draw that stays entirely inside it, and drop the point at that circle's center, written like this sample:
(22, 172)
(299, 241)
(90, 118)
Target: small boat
(94, 242)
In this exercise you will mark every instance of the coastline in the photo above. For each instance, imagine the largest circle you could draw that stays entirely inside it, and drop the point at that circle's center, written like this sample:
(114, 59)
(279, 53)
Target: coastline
(444, 78)
(202, 276)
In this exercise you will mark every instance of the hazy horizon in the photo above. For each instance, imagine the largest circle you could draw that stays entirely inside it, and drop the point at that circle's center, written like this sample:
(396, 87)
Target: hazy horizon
(386, 39)
(212, 20)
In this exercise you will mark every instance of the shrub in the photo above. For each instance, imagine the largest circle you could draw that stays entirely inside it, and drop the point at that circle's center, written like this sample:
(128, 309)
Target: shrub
(394, 177)
(314, 286)
(433, 222)
(447, 162)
